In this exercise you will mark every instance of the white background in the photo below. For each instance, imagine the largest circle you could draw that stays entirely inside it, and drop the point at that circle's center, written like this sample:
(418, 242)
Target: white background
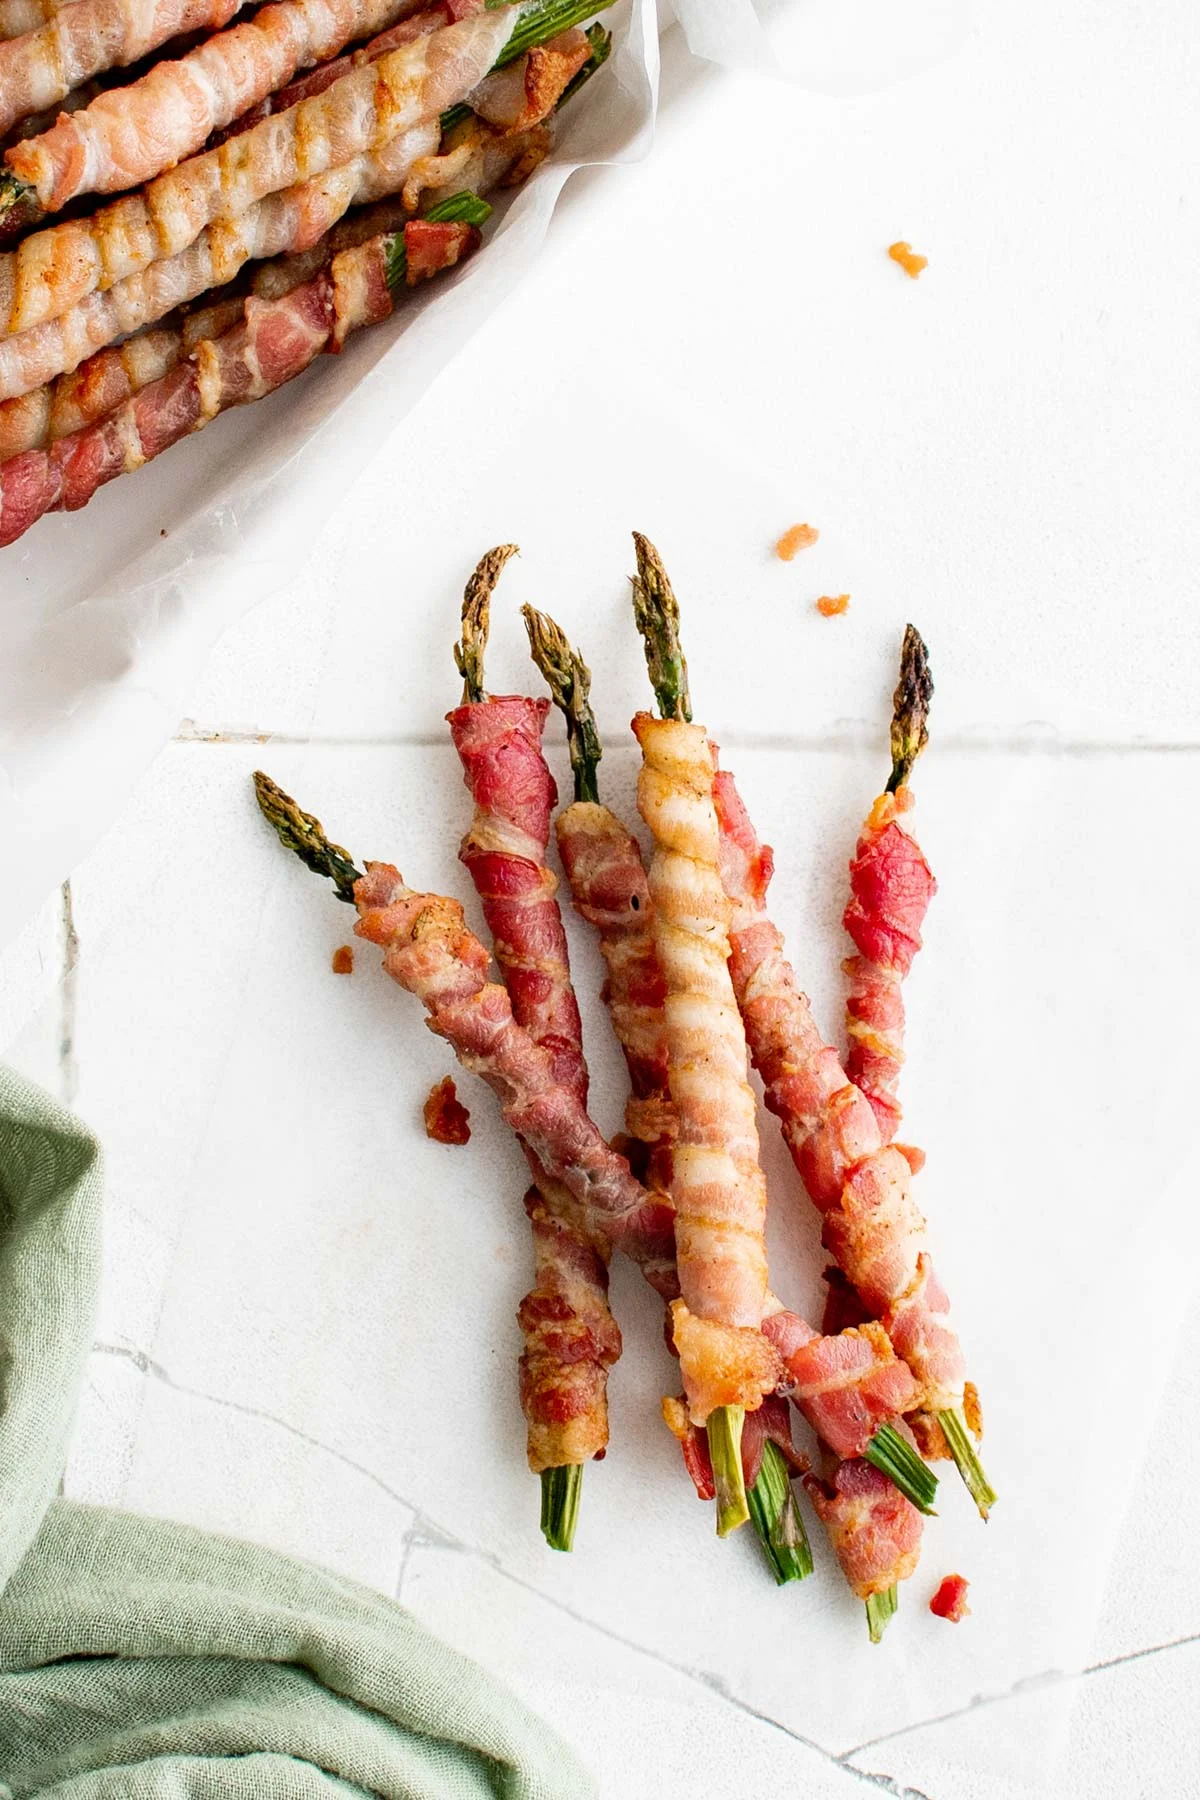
(300, 1291)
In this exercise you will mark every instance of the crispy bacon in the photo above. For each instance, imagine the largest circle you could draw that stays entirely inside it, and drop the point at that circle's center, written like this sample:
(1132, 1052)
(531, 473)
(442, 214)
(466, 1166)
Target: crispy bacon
(430, 951)
(950, 1601)
(499, 744)
(515, 98)
(40, 68)
(571, 1340)
(717, 1185)
(846, 1386)
(875, 1531)
(608, 885)
(368, 107)
(447, 1120)
(275, 341)
(130, 134)
(862, 1186)
(891, 886)
(771, 1421)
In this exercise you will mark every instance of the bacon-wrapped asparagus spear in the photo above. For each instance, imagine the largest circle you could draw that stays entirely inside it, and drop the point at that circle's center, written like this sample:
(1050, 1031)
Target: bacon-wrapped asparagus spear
(499, 743)
(367, 108)
(717, 1184)
(275, 341)
(19, 16)
(128, 135)
(862, 1186)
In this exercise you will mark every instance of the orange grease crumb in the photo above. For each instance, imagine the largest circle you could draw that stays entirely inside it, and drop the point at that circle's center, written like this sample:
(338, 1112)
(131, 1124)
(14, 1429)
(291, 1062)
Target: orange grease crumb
(830, 605)
(906, 256)
(343, 960)
(796, 538)
(447, 1120)
(950, 1601)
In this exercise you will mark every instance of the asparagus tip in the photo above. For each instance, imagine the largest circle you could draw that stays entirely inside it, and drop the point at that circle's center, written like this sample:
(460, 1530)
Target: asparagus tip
(910, 715)
(962, 1449)
(895, 1457)
(777, 1518)
(305, 836)
(476, 613)
(656, 614)
(569, 680)
(561, 1489)
(881, 1608)
(725, 1452)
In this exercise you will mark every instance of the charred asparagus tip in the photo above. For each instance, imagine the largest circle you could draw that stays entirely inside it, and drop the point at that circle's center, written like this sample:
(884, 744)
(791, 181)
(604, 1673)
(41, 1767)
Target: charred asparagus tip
(656, 614)
(880, 1608)
(561, 1488)
(895, 1457)
(777, 1518)
(725, 1452)
(569, 680)
(958, 1437)
(914, 691)
(476, 612)
(304, 836)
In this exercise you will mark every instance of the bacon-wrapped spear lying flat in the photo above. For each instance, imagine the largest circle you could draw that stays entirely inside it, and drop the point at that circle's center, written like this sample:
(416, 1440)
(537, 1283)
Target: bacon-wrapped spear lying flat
(861, 1185)
(571, 1338)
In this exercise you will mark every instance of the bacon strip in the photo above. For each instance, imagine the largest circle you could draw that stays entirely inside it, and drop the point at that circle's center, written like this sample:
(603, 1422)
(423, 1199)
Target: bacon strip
(130, 134)
(40, 68)
(19, 16)
(54, 269)
(571, 1336)
(293, 220)
(275, 342)
(875, 1531)
(430, 951)
(846, 1386)
(862, 1186)
(891, 886)
(717, 1184)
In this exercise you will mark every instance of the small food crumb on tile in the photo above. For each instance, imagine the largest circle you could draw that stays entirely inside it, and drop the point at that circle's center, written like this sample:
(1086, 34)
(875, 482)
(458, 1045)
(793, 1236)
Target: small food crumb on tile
(447, 1120)
(796, 538)
(830, 605)
(907, 257)
(950, 1601)
(343, 960)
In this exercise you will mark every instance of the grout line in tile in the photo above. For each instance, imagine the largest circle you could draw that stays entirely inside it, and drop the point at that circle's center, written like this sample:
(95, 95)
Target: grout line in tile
(68, 1066)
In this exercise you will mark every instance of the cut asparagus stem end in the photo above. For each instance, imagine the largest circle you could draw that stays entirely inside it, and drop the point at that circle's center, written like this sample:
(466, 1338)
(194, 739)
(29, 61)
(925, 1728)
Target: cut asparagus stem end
(725, 1452)
(569, 680)
(777, 1518)
(895, 1457)
(305, 836)
(963, 1450)
(656, 614)
(910, 715)
(544, 20)
(13, 192)
(881, 1608)
(465, 208)
(561, 1489)
(476, 616)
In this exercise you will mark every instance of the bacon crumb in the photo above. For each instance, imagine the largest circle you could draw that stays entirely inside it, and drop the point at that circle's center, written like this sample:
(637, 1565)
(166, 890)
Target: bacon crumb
(447, 1120)
(950, 1601)
(908, 259)
(830, 605)
(343, 960)
(795, 539)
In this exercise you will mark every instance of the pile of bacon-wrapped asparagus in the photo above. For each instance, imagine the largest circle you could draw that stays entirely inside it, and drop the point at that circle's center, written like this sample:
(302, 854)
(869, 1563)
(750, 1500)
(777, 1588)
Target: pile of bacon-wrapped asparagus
(698, 988)
(282, 180)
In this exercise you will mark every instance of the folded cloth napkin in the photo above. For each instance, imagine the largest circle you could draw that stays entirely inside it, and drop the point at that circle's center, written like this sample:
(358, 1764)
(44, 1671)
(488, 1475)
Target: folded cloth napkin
(143, 1660)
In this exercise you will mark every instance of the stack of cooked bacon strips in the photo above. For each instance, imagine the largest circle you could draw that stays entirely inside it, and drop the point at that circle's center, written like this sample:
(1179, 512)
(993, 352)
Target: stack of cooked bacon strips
(692, 960)
(256, 143)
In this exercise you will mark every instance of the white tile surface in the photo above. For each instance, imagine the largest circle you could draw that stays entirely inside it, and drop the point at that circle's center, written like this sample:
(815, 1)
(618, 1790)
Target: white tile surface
(1004, 452)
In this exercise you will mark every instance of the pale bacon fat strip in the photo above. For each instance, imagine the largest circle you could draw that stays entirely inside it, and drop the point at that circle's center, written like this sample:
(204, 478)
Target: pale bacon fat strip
(861, 1185)
(40, 68)
(891, 886)
(288, 221)
(717, 1184)
(358, 115)
(430, 951)
(130, 134)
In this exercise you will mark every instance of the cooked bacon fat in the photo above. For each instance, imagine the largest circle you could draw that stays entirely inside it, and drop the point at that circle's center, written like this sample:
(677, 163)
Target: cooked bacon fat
(447, 1120)
(571, 1340)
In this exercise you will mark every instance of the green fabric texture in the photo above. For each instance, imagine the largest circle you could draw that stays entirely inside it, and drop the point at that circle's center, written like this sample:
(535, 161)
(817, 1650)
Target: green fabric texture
(143, 1660)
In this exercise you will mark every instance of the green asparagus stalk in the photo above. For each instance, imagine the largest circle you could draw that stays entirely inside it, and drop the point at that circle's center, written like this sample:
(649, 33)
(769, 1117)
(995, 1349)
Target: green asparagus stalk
(962, 1449)
(777, 1518)
(895, 1457)
(561, 1489)
(881, 1608)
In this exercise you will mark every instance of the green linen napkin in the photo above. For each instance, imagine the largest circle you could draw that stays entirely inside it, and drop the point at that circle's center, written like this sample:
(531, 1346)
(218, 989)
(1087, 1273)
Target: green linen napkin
(143, 1660)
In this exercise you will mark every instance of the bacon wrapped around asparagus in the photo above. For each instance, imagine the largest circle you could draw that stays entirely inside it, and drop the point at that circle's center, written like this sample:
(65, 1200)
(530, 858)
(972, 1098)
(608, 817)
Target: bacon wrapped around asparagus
(861, 1184)
(571, 1337)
